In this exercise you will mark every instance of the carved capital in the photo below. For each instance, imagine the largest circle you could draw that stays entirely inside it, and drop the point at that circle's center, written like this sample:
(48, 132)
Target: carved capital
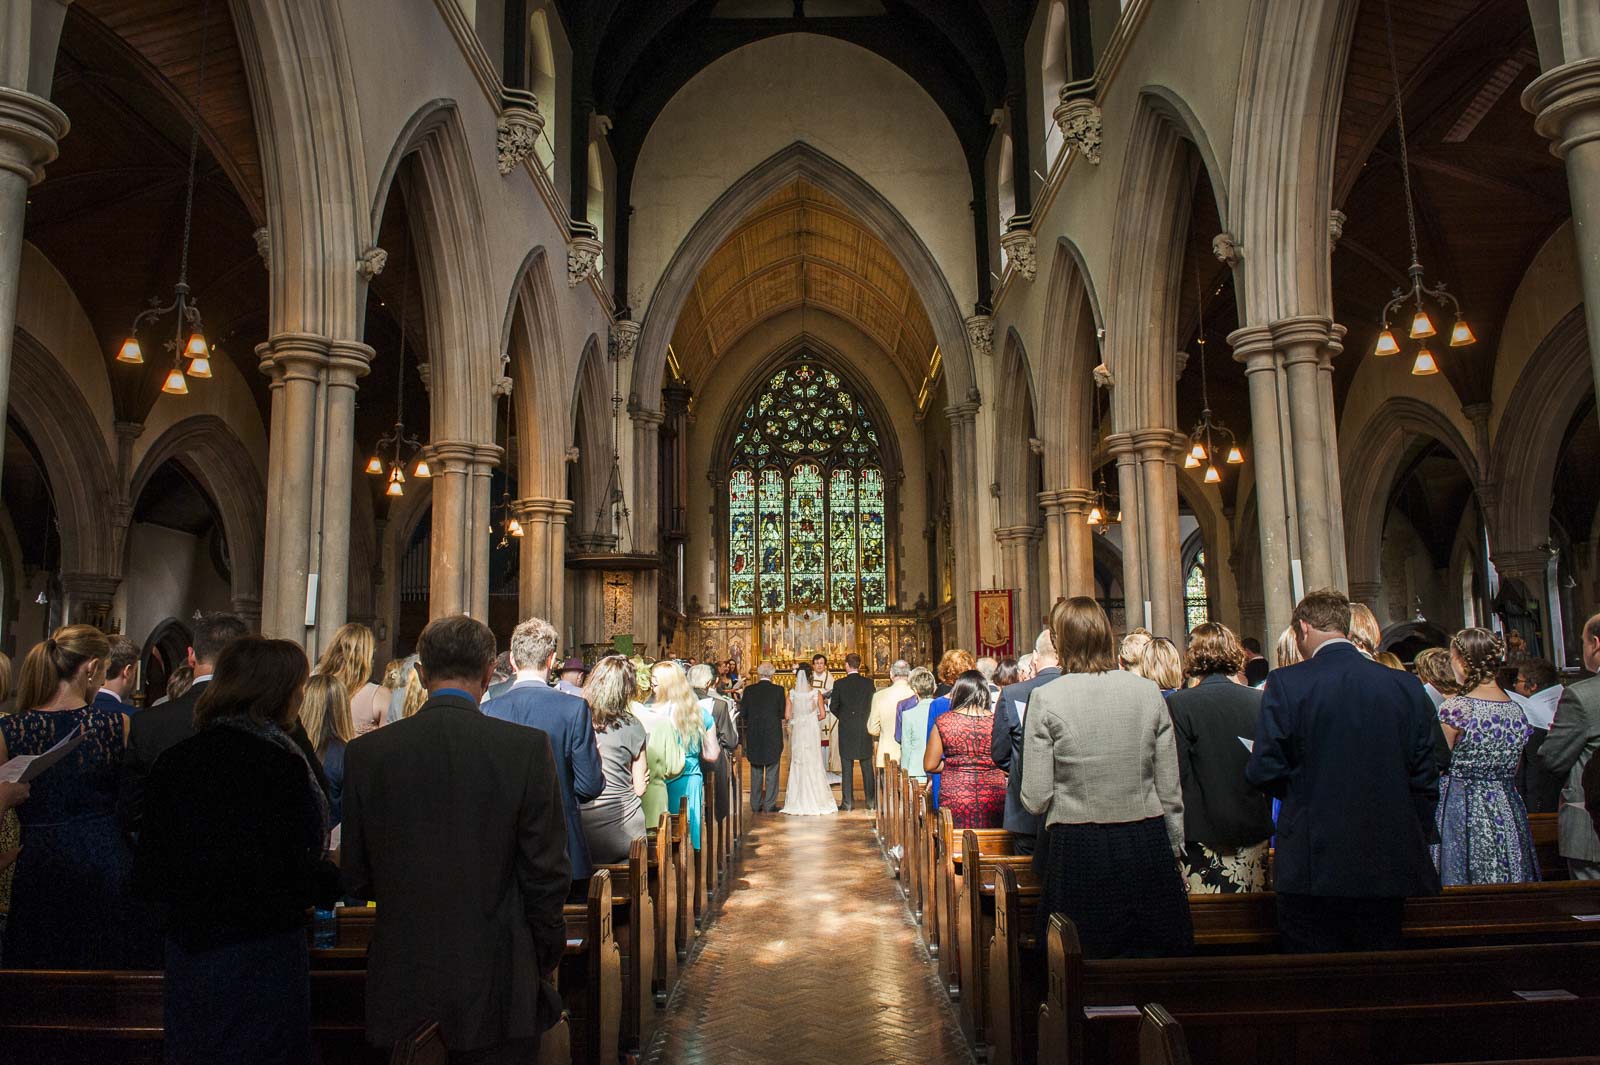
(1103, 376)
(583, 259)
(517, 131)
(1564, 101)
(425, 371)
(1180, 362)
(30, 126)
(624, 339)
(1081, 124)
(1021, 250)
(1336, 221)
(501, 387)
(1035, 445)
(980, 333)
(571, 456)
(263, 238)
(1226, 247)
(372, 262)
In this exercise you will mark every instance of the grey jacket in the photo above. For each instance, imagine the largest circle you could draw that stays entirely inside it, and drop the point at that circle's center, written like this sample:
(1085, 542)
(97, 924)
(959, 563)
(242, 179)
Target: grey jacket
(1574, 736)
(1098, 748)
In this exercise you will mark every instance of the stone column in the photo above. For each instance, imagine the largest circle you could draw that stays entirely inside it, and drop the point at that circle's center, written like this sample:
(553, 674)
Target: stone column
(87, 598)
(1055, 546)
(1161, 544)
(1130, 492)
(480, 527)
(1371, 593)
(963, 461)
(454, 464)
(348, 361)
(30, 127)
(1273, 472)
(1566, 103)
(1330, 446)
(1302, 340)
(1075, 503)
(295, 363)
(1018, 571)
(646, 532)
(542, 578)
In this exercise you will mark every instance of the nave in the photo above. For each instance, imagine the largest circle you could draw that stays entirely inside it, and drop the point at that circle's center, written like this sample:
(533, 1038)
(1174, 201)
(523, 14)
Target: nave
(813, 958)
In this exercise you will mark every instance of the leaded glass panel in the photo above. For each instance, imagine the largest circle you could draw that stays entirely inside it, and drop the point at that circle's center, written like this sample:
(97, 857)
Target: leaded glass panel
(874, 562)
(806, 517)
(842, 561)
(1196, 604)
(770, 504)
(742, 541)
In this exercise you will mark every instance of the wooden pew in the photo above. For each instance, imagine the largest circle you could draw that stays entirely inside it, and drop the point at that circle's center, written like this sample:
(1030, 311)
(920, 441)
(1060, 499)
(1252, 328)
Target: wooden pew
(682, 859)
(983, 852)
(705, 857)
(916, 847)
(1015, 979)
(928, 875)
(590, 976)
(947, 888)
(891, 814)
(1322, 1009)
(664, 901)
(1547, 846)
(634, 925)
(1161, 1039)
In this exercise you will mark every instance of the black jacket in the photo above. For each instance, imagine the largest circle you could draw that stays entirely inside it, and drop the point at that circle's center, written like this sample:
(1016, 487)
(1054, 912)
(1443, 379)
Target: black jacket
(1220, 808)
(851, 703)
(151, 733)
(232, 843)
(1347, 744)
(762, 707)
(453, 825)
(1005, 747)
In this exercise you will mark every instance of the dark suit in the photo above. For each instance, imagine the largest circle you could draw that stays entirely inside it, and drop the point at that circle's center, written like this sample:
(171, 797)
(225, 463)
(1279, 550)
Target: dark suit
(762, 707)
(1005, 747)
(453, 825)
(851, 703)
(151, 733)
(104, 700)
(1347, 744)
(727, 740)
(566, 720)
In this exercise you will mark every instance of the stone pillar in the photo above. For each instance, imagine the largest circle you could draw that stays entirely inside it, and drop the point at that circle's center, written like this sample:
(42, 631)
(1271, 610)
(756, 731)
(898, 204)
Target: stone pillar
(295, 363)
(1075, 503)
(1301, 340)
(1161, 544)
(1055, 546)
(1566, 102)
(1019, 571)
(348, 361)
(454, 464)
(1273, 472)
(1371, 593)
(646, 530)
(1131, 494)
(87, 598)
(1330, 445)
(30, 127)
(480, 528)
(542, 577)
(964, 474)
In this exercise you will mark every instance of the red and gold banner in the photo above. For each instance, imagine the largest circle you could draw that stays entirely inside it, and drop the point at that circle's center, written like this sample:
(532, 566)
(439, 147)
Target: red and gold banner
(993, 612)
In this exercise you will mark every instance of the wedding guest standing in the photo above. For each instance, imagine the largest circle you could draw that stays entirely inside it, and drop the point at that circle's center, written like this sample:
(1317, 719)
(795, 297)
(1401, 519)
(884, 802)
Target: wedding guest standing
(348, 659)
(615, 819)
(694, 730)
(1040, 667)
(974, 788)
(232, 857)
(325, 717)
(1099, 762)
(1569, 750)
(763, 707)
(914, 725)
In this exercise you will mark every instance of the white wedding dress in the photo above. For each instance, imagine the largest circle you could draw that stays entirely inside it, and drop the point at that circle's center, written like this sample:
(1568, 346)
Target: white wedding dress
(808, 793)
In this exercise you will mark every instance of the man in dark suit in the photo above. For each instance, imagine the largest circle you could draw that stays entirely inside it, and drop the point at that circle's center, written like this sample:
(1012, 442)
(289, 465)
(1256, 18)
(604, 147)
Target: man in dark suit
(156, 728)
(1568, 751)
(1005, 741)
(453, 825)
(851, 704)
(122, 668)
(762, 707)
(703, 678)
(1347, 744)
(565, 719)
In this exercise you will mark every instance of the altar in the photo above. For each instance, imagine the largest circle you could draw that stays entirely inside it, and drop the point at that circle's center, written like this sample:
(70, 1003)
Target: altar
(788, 640)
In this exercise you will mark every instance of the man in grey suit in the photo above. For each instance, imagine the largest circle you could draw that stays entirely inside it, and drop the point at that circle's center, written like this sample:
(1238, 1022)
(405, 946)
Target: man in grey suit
(453, 825)
(1005, 741)
(1568, 749)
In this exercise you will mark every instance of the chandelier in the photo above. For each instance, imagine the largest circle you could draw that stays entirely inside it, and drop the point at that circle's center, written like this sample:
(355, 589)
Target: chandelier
(1104, 509)
(183, 308)
(513, 527)
(1209, 429)
(397, 444)
(1421, 324)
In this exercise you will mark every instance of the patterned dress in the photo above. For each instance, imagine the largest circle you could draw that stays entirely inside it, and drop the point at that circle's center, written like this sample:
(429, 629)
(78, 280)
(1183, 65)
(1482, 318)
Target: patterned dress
(1483, 825)
(974, 788)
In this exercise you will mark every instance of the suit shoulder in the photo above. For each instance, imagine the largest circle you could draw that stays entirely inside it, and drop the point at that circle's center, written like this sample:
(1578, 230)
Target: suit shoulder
(1586, 691)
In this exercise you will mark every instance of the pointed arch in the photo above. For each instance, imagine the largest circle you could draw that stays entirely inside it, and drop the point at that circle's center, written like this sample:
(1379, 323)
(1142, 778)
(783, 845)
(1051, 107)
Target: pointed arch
(1016, 424)
(531, 339)
(591, 435)
(1069, 351)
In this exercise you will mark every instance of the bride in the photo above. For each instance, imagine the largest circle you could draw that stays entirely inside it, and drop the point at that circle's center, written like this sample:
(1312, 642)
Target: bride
(808, 792)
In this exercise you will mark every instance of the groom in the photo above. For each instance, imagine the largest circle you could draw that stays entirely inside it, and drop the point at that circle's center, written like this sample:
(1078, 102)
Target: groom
(851, 703)
(762, 709)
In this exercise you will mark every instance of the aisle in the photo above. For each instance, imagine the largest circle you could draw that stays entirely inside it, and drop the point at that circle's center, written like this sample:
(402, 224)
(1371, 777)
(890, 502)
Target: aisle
(813, 960)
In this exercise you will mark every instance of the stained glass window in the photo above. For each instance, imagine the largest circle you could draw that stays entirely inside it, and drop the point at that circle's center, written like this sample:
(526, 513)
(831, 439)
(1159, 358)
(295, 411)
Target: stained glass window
(815, 515)
(742, 541)
(1196, 605)
(770, 504)
(842, 565)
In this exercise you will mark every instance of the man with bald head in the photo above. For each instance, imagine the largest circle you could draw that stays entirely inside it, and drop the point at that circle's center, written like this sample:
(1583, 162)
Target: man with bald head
(1568, 750)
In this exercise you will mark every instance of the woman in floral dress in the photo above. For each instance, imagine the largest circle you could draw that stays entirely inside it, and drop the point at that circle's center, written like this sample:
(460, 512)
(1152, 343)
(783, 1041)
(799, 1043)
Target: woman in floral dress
(974, 788)
(1483, 825)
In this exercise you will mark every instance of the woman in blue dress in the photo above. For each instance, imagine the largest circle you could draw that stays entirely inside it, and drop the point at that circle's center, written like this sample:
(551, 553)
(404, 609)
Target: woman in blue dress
(1483, 825)
(695, 732)
(70, 904)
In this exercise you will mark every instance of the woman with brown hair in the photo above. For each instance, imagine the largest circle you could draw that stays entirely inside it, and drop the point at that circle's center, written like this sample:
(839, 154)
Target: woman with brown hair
(1100, 762)
(231, 856)
(1227, 824)
(69, 899)
(348, 659)
(952, 664)
(1483, 824)
(614, 819)
(325, 716)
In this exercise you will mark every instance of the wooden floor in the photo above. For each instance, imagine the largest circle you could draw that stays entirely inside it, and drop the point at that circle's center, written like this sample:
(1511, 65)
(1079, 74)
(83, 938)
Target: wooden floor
(812, 959)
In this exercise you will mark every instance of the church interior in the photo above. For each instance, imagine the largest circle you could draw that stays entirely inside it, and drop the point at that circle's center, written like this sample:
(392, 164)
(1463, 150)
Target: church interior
(738, 331)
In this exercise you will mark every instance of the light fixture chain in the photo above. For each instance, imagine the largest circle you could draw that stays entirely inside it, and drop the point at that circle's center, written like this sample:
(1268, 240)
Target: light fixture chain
(400, 370)
(1200, 316)
(1400, 127)
(194, 145)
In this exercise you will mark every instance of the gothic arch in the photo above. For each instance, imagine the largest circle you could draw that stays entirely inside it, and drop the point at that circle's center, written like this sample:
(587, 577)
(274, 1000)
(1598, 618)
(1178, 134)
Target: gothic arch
(591, 435)
(1067, 357)
(1372, 462)
(1016, 421)
(531, 338)
(210, 453)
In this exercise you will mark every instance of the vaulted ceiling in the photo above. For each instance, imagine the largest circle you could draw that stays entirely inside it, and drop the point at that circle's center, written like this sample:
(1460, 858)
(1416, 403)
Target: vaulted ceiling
(802, 248)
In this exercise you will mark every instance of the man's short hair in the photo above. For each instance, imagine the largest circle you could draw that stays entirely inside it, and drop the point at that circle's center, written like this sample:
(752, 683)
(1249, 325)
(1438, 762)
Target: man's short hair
(922, 682)
(215, 632)
(532, 643)
(1251, 644)
(123, 657)
(900, 668)
(455, 648)
(1045, 645)
(1326, 610)
(852, 661)
(1591, 628)
(765, 671)
(701, 675)
(986, 665)
(1025, 663)
(819, 655)
(1539, 672)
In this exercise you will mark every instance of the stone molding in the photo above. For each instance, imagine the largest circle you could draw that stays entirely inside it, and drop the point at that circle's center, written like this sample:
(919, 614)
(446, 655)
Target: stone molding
(31, 128)
(1336, 221)
(1020, 534)
(645, 416)
(1022, 250)
(1301, 338)
(545, 507)
(980, 333)
(624, 339)
(1523, 565)
(263, 239)
(371, 263)
(1566, 105)
(1081, 124)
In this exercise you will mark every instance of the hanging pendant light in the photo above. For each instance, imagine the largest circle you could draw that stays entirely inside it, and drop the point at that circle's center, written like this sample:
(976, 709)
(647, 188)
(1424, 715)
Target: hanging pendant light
(375, 465)
(1212, 476)
(200, 368)
(1235, 456)
(175, 385)
(1422, 326)
(130, 352)
(397, 442)
(1202, 438)
(422, 468)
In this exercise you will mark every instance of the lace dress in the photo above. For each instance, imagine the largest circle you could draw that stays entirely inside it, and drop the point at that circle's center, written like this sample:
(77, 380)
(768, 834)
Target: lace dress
(1483, 825)
(973, 787)
(808, 793)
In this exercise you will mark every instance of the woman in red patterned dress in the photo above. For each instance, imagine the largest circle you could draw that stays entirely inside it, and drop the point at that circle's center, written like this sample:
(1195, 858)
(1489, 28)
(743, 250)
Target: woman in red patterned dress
(974, 788)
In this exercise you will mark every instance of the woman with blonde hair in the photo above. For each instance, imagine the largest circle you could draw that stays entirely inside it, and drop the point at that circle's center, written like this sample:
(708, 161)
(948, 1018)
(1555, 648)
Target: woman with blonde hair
(325, 715)
(69, 901)
(1133, 646)
(1287, 652)
(695, 731)
(663, 754)
(1160, 662)
(348, 659)
(614, 819)
(1364, 630)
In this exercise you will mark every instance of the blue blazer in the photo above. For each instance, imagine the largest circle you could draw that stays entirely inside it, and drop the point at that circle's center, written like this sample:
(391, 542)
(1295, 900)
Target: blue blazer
(1347, 744)
(1005, 747)
(104, 700)
(565, 719)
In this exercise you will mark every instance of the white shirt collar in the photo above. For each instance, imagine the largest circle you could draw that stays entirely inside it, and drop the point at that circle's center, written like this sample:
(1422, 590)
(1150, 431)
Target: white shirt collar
(201, 679)
(528, 676)
(108, 691)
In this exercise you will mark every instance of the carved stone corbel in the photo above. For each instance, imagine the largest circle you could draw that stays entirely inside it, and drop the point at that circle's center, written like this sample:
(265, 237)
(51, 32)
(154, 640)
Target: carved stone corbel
(501, 387)
(1103, 377)
(624, 339)
(1336, 221)
(583, 259)
(1081, 124)
(517, 131)
(425, 371)
(371, 263)
(980, 333)
(263, 240)
(1021, 249)
(1226, 247)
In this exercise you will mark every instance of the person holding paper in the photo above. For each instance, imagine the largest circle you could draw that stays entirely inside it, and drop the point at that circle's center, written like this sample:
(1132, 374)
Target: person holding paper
(11, 796)
(69, 903)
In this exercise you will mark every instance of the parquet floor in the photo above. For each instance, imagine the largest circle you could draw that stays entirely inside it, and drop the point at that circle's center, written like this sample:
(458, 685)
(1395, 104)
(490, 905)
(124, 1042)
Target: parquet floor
(812, 959)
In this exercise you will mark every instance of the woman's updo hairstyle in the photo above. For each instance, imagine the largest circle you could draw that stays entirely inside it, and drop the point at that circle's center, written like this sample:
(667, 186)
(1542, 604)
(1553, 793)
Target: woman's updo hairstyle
(1482, 653)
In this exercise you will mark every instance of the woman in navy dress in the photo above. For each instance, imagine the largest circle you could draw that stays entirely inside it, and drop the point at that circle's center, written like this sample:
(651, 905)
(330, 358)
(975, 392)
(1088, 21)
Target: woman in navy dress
(69, 902)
